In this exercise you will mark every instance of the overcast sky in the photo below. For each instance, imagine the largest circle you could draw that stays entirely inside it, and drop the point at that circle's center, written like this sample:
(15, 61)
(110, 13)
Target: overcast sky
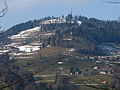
(24, 10)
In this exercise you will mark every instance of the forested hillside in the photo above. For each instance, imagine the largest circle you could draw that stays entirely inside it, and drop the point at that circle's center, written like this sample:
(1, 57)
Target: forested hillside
(84, 37)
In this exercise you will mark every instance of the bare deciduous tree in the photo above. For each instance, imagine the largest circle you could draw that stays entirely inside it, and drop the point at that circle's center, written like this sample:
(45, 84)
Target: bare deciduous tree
(4, 10)
(112, 1)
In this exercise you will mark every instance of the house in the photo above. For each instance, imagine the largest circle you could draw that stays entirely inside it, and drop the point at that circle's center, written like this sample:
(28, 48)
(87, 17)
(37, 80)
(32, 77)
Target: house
(104, 69)
(68, 38)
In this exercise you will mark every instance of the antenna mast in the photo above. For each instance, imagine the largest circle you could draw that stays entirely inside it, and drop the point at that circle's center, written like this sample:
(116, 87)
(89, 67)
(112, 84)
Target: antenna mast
(71, 11)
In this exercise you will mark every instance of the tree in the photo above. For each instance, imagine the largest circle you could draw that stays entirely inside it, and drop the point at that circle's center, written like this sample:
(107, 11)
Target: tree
(4, 10)
(116, 74)
(112, 1)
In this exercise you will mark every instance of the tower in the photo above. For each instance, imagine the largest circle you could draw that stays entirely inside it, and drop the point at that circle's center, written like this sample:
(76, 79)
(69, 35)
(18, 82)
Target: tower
(69, 18)
(71, 12)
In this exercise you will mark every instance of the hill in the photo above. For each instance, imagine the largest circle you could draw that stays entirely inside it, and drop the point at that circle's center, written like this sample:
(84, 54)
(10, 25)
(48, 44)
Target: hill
(78, 32)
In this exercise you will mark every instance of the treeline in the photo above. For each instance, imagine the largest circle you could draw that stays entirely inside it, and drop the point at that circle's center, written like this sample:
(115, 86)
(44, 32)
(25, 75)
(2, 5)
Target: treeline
(86, 37)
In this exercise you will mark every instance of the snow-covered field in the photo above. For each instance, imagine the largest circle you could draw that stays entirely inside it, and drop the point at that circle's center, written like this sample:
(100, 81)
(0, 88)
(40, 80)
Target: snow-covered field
(21, 37)
(26, 33)
(59, 20)
(3, 51)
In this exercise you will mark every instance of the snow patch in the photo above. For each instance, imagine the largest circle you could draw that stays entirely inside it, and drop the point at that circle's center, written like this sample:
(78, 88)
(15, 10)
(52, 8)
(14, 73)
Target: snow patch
(79, 22)
(23, 57)
(49, 34)
(71, 50)
(52, 21)
(60, 62)
(3, 51)
(27, 48)
(25, 33)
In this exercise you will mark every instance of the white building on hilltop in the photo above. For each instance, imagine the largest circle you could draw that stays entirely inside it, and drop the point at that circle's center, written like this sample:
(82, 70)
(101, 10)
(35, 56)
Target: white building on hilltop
(27, 48)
